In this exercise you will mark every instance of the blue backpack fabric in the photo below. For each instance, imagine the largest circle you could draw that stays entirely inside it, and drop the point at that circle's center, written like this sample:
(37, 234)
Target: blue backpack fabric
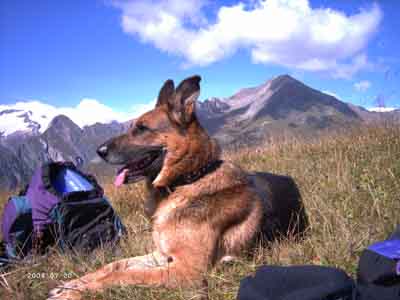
(378, 273)
(61, 206)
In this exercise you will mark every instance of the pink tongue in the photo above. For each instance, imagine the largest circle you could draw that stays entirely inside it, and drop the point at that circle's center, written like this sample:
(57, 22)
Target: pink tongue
(120, 178)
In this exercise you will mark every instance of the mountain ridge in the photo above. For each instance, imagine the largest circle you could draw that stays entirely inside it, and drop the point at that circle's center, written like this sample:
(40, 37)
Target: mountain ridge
(250, 116)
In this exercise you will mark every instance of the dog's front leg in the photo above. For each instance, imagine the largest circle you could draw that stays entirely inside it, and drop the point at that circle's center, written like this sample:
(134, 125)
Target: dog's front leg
(153, 269)
(92, 281)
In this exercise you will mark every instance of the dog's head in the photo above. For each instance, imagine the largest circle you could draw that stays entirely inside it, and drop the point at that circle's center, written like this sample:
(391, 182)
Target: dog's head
(165, 142)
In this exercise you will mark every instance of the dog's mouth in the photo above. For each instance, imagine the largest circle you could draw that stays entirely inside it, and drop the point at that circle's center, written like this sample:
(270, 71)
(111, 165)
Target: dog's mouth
(148, 165)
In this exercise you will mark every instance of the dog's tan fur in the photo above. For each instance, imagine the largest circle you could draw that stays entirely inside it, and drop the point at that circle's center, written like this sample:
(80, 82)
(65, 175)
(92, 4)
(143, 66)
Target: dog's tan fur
(194, 225)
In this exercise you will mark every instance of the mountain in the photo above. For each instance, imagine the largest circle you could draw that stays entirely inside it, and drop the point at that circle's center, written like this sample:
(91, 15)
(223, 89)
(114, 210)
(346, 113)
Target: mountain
(280, 107)
(25, 118)
(376, 115)
(97, 134)
(394, 115)
(12, 171)
(63, 134)
(63, 140)
(34, 117)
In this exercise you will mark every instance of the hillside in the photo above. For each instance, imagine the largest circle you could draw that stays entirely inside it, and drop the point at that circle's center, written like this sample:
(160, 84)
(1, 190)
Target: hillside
(350, 185)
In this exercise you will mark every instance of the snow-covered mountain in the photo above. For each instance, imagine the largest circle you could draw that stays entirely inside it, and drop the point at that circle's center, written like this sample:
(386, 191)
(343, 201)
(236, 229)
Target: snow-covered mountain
(23, 120)
(34, 117)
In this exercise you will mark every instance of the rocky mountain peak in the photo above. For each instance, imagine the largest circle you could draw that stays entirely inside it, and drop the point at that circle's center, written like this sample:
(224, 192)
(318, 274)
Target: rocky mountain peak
(212, 107)
(284, 81)
(62, 121)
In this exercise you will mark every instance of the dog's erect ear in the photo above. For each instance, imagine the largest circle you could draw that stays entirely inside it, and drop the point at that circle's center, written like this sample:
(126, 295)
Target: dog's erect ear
(166, 93)
(182, 105)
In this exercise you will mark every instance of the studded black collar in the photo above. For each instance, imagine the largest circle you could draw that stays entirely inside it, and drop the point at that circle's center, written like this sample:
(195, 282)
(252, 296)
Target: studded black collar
(191, 177)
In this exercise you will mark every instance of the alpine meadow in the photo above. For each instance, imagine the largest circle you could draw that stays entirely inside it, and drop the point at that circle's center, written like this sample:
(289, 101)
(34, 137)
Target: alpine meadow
(349, 181)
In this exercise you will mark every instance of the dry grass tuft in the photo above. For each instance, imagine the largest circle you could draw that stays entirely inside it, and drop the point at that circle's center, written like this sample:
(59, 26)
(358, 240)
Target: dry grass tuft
(351, 189)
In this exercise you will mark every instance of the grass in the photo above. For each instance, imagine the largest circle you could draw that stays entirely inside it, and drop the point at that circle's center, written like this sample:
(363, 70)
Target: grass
(350, 183)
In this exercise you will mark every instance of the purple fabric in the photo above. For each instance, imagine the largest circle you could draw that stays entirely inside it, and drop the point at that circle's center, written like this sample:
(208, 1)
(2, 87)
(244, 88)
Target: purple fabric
(388, 248)
(8, 219)
(41, 200)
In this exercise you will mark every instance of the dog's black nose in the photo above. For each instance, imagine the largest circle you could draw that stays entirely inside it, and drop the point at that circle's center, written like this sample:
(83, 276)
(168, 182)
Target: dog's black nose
(102, 151)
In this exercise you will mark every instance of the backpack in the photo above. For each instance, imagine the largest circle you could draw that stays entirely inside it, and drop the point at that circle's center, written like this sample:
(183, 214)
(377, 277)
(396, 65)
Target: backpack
(378, 272)
(378, 278)
(17, 227)
(61, 206)
(296, 283)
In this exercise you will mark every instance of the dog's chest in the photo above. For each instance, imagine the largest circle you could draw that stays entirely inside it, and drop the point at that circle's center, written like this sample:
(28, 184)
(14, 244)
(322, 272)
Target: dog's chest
(167, 208)
(165, 224)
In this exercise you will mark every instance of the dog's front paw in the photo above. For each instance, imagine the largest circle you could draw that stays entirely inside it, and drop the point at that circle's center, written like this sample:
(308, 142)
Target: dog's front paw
(228, 260)
(62, 294)
(67, 291)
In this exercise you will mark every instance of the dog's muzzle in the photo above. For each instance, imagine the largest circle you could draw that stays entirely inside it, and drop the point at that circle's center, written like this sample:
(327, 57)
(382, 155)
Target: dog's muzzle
(138, 161)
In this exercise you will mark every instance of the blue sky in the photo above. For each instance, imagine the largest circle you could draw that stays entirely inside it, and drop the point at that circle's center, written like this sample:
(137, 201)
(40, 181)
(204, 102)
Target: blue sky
(120, 52)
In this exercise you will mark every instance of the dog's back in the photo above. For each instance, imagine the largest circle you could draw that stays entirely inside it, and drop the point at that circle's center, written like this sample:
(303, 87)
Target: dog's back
(284, 212)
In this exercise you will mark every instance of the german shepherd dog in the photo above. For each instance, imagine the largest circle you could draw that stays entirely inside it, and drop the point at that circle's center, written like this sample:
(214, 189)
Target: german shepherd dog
(203, 210)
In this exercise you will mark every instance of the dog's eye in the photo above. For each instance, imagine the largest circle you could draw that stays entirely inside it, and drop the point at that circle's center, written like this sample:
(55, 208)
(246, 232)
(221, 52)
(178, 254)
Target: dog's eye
(141, 128)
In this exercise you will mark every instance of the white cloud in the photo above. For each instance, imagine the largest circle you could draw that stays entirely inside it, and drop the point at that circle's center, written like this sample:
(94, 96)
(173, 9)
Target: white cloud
(347, 70)
(90, 111)
(362, 86)
(284, 32)
(141, 108)
(381, 109)
(87, 112)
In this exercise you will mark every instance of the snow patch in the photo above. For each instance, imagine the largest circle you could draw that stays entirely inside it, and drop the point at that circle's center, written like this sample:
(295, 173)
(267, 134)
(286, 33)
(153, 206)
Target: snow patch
(381, 109)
